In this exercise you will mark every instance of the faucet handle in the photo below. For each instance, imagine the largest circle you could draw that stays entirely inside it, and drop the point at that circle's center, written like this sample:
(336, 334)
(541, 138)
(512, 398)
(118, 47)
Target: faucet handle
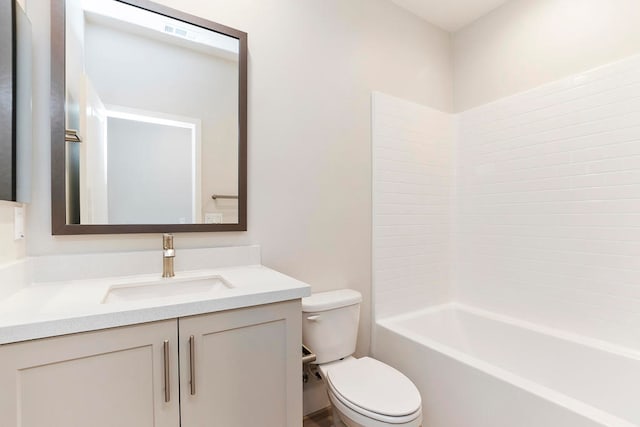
(167, 241)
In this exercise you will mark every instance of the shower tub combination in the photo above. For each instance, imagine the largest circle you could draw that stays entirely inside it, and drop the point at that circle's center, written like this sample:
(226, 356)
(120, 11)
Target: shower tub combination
(480, 369)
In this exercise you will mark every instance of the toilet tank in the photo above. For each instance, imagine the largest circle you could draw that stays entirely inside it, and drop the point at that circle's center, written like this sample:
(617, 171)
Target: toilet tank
(330, 323)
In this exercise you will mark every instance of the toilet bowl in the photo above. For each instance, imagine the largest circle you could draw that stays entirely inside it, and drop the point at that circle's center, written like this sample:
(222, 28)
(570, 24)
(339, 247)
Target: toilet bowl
(363, 392)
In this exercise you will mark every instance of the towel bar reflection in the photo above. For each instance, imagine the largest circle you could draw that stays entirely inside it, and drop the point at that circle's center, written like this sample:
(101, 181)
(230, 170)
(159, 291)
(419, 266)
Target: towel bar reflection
(71, 135)
(223, 196)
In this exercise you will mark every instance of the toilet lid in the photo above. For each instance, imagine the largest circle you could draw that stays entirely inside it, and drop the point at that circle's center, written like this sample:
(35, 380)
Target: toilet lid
(375, 387)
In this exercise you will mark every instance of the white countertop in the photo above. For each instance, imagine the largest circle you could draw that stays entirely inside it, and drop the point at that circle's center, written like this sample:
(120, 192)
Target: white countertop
(59, 308)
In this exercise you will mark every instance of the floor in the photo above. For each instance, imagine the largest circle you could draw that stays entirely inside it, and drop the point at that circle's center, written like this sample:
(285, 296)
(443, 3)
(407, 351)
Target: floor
(319, 419)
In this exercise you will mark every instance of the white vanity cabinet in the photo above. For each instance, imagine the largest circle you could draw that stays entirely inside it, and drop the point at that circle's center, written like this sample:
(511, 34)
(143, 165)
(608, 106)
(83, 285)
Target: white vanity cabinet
(246, 366)
(106, 378)
(234, 368)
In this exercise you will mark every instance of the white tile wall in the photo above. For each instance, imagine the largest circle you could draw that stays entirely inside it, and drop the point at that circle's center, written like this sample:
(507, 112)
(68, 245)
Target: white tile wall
(547, 220)
(412, 166)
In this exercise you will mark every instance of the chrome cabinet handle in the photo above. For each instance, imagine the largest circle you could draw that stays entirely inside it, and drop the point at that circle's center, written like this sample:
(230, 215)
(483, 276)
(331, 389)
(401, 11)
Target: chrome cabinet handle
(167, 380)
(192, 364)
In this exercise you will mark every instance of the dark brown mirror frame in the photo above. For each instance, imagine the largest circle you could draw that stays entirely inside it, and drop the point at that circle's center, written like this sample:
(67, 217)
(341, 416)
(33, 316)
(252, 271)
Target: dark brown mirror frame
(59, 224)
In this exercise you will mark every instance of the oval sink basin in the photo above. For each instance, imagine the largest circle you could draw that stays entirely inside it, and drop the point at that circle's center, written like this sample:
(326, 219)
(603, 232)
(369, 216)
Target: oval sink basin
(166, 288)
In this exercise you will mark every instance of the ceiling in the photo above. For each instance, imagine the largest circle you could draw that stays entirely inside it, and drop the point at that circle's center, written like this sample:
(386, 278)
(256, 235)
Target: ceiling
(450, 15)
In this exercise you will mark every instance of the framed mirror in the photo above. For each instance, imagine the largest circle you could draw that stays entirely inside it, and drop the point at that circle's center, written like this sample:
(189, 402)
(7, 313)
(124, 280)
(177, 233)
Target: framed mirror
(7, 101)
(15, 103)
(148, 120)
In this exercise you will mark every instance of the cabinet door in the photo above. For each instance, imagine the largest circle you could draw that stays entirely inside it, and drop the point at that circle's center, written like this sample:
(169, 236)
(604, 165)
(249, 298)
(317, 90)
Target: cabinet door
(246, 367)
(108, 378)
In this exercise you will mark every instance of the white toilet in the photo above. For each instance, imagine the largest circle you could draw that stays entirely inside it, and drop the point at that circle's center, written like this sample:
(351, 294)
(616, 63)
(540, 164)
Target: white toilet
(363, 392)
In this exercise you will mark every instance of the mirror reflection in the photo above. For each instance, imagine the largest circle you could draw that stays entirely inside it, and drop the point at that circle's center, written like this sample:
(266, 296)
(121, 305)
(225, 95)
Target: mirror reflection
(151, 117)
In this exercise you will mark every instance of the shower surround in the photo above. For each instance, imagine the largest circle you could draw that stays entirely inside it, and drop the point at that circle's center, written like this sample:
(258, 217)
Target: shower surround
(528, 207)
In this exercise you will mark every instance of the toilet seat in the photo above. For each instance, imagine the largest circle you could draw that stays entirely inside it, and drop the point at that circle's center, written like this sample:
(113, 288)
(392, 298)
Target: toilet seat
(375, 390)
(368, 420)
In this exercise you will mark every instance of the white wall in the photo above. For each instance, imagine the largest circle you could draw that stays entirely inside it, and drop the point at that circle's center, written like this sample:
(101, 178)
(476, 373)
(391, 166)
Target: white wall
(10, 249)
(312, 67)
(547, 178)
(412, 180)
(548, 204)
(526, 43)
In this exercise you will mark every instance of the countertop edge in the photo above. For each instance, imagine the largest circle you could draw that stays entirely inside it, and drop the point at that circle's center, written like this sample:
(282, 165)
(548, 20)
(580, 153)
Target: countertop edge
(12, 334)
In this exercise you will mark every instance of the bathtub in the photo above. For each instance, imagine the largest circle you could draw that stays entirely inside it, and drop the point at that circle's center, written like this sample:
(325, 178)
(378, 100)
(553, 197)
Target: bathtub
(478, 369)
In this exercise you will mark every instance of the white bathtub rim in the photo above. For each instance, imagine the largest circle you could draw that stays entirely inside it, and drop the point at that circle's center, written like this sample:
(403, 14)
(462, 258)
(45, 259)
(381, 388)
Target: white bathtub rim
(546, 393)
(543, 392)
(545, 330)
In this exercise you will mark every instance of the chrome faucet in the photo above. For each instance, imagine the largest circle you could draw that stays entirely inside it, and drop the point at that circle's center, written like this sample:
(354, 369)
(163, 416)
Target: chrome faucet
(168, 254)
